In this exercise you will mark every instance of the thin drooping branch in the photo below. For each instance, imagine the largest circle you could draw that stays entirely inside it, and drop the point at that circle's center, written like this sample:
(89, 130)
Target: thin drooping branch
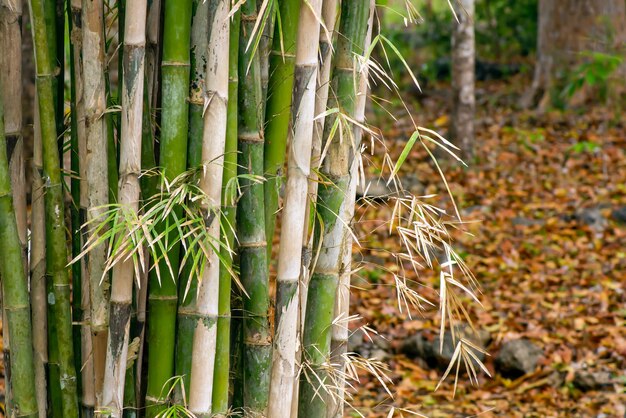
(129, 191)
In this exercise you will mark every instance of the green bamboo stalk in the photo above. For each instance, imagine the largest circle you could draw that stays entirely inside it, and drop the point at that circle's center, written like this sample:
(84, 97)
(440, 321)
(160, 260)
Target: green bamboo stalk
(340, 331)
(55, 32)
(11, 86)
(332, 198)
(278, 109)
(251, 226)
(265, 46)
(188, 285)
(56, 254)
(129, 193)
(53, 360)
(229, 210)
(173, 160)
(38, 271)
(15, 295)
(75, 28)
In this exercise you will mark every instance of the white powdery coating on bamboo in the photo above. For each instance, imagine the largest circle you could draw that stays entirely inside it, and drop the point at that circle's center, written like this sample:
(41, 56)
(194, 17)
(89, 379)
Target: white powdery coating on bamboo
(213, 143)
(294, 210)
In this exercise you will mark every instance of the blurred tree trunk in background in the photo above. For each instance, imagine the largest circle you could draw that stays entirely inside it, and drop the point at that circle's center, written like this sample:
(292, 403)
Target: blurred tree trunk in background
(463, 78)
(567, 28)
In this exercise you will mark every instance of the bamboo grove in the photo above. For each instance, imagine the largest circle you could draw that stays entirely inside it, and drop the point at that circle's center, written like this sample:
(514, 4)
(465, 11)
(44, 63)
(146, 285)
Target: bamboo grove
(174, 142)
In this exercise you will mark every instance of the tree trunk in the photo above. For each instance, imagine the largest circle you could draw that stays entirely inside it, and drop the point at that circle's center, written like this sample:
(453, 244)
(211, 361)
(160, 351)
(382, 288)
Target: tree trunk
(567, 28)
(463, 98)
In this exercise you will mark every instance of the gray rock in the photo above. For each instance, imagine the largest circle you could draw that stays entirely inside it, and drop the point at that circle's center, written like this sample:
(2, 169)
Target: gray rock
(619, 214)
(517, 358)
(592, 217)
(355, 341)
(380, 355)
(587, 380)
(429, 350)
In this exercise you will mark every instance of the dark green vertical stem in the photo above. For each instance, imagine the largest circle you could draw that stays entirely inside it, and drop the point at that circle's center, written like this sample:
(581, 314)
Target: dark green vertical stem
(278, 110)
(56, 250)
(251, 226)
(162, 302)
(15, 295)
(187, 319)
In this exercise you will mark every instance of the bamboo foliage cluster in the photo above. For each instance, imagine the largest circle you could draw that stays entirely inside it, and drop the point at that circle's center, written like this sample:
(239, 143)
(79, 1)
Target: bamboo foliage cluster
(187, 119)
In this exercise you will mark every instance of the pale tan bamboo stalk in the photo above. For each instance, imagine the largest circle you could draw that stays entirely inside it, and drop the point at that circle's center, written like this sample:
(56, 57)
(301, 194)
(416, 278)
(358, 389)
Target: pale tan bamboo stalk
(96, 184)
(330, 9)
(129, 191)
(340, 331)
(213, 143)
(88, 399)
(294, 219)
(38, 302)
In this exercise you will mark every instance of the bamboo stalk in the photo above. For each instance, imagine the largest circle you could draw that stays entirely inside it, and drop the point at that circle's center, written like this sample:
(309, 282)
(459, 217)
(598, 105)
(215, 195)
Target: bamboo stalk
(97, 179)
(251, 226)
(153, 32)
(213, 144)
(340, 331)
(188, 285)
(330, 204)
(38, 271)
(278, 111)
(330, 10)
(56, 254)
(265, 47)
(293, 221)
(221, 377)
(174, 123)
(54, 386)
(15, 294)
(74, 15)
(129, 191)
(11, 86)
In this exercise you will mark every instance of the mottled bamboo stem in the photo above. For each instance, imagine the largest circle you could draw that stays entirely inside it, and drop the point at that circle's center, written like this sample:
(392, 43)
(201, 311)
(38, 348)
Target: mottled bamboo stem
(294, 213)
(129, 191)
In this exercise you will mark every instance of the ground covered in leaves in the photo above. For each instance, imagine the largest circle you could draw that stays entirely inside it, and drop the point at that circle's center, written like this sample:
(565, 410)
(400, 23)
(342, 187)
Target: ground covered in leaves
(544, 205)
